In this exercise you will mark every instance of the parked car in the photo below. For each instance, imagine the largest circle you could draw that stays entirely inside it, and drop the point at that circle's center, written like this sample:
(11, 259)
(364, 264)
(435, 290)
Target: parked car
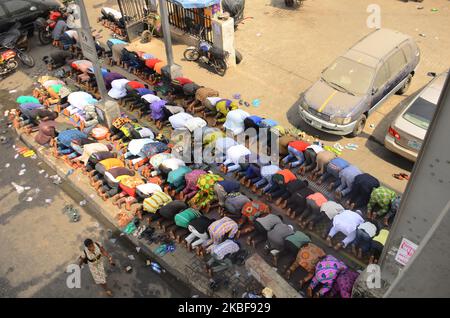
(358, 82)
(25, 12)
(407, 132)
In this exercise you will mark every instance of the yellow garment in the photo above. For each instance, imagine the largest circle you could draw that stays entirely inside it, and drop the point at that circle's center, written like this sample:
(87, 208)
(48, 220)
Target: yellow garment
(122, 177)
(382, 237)
(112, 163)
(132, 181)
(221, 107)
(46, 78)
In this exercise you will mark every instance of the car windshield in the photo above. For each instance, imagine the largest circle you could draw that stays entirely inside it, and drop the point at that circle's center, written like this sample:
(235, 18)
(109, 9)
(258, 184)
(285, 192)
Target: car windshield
(420, 113)
(350, 76)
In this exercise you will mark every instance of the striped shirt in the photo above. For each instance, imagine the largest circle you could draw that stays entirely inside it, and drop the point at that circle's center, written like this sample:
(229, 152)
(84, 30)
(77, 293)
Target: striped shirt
(220, 228)
(223, 249)
(156, 201)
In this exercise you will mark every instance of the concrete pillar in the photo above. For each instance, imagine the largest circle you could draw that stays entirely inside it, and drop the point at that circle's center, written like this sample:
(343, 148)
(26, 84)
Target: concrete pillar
(107, 112)
(268, 277)
(223, 38)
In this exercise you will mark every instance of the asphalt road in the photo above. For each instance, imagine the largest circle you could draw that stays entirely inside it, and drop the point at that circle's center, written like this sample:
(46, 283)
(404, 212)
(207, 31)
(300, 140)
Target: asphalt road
(39, 241)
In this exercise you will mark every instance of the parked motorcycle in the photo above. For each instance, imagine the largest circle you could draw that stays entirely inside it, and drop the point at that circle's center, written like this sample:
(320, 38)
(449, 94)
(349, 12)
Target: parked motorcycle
(17, 41)
(293, 3)
(45, 27)
(209, 55)
(8, 62)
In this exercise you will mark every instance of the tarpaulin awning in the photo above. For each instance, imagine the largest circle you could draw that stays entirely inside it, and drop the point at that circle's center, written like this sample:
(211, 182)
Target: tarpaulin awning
(189, 4)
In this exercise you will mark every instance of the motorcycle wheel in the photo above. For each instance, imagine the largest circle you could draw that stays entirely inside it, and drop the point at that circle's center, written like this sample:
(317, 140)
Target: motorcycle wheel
(221, 67)
(45, 37)
(25, 58)
(11, 66)
(191, 55)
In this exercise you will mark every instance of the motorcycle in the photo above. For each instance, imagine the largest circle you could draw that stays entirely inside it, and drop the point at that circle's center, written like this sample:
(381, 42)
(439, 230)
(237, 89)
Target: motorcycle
(293, 3)
(209, 55)
(8, 62)
(17, 41)
(45, 27)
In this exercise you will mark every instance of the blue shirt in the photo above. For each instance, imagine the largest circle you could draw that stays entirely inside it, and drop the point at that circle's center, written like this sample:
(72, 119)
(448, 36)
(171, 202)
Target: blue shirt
(337, 165)
(256, 119)
(348, 175)
(144, 91)
(230, 185)
(65, 137)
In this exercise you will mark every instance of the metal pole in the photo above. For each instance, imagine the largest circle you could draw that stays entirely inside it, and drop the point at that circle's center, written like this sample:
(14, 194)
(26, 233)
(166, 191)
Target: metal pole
(108, 108)
(166, 31)
(89, 51)
(173, 69)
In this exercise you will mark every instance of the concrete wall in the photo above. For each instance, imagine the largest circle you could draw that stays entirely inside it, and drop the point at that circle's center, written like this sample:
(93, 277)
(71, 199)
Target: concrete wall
(423, 217)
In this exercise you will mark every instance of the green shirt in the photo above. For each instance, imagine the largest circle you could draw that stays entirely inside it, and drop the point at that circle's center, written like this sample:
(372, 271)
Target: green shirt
(183, 219)
(27, 99)
(298, 239)
(382, 197)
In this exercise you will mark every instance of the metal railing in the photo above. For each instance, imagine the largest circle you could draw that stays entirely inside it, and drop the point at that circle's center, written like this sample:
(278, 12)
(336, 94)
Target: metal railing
(133, 10)
(191, 21)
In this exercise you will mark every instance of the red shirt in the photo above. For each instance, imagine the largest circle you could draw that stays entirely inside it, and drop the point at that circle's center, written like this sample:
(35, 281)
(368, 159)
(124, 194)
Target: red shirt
(299, 145)
(152, 62)
(317, 197)
(134, 85)
(288, 175)
(183, 80)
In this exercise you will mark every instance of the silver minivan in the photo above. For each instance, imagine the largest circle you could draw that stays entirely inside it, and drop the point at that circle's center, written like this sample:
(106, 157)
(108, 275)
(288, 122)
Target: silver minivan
(350, 89)
(407, 131)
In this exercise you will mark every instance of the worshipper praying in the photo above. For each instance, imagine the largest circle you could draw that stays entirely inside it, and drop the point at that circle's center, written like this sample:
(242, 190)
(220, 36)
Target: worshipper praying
(362, 188)
(380, 198)
(334, 167)
(347, 177)
(220, 256)
(311, 153)
(363, 240)
(346, 223)
(328, 210)
(327, 271)
(93, 256)
(295, 155)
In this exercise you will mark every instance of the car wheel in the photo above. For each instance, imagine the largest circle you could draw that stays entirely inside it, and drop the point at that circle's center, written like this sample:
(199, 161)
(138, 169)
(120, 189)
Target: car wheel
(359, 127)
(405, 86)
(238, 57)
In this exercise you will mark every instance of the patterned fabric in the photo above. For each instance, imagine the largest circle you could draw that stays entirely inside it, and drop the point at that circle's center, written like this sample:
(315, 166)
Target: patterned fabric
(132, 181)
(96, 267)
(344, 284)
(205, 195)
(218, 229)
(156, 201)
(327, 271)
(119, 122)
(191, 179)
(154, 148)
(254, 209)
(308, 256)
(223, 249)
(381, 197)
